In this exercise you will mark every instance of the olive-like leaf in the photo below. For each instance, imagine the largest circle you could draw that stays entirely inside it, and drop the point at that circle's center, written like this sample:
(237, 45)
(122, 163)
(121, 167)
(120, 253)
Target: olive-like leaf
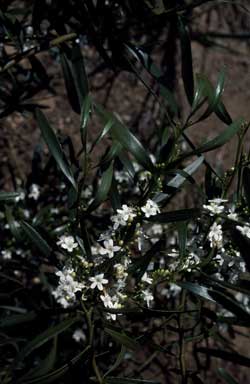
(103, 188)
(229, 379)
(54, 146)
(120, 133)
(122, 338)
(8, 196)
(186, 60)
(35, 238)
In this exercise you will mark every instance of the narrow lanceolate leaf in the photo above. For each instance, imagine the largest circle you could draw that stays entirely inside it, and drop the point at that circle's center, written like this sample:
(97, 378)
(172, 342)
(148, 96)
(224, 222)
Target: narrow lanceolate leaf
(54, 146)
(35, 238)
(117, 362)
(8, 196)
(44, 337)
(70, 85)
(221, 139)
(198, 290)
(227, 378)
(45, 366)
(57, 374)
(213, 95)
(206, 91)
(79, 73)
(186, 61)
(103, 188)
(120, 133)
(122, 339)
(158, 75)
(179, 179)
(174, 216)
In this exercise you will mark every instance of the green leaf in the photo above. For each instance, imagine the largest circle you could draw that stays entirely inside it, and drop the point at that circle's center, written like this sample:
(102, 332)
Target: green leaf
(158, 75)
(58, 373)
(174, 216)
(229, 379)
(44, 337)
(221, 139)
(8, 196)
(186, 61)
(214, 96)
(197, 289)
(79, 73)
(70, 85)
(206, 91)
(85, 115)
(13, 224)
(16, 320)
(121, 380)
(45, 365)
(54, 146)
(179, 179)
(121, 133)
(122, 338)
(36, 239)
(117, 362)
(103, 188)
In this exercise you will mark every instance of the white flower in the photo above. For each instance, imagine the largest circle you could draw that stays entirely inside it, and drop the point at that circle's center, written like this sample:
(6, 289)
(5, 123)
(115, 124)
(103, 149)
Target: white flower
(67, 242)
(68, 286)
(215, 236)
(146, 279)
(157, 229)
(232, 215)
(217, 200)
(79, 335)
(123, 216)
(107, 300)
(121, 176)
(147, 296)
(7, 255)
(34, 192)
(98, 281)
(109, 248)
(151, 208)
(245, 231)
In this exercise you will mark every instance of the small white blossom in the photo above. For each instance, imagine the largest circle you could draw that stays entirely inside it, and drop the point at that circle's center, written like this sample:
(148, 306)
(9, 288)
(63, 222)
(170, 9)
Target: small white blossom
(123, 215)
(150, 209)
(67, 288)
(245, 231)
(146, 279)
(34, 192)
(147, 296)
(7, 255)
(109, 248)
(214, 209)
(79, 335)
(68, 243)
(215, 236)
(107, 300)
(98, 281)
